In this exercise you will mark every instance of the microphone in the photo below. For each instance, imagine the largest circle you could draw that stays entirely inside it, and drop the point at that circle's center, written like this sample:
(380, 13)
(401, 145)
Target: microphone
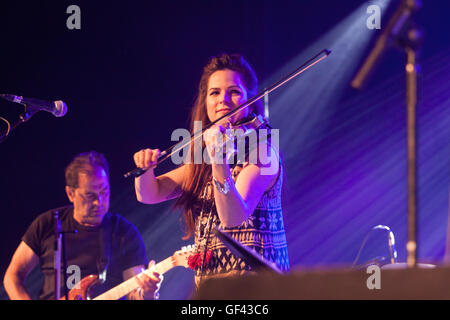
(57, 108)
(391, 244)
(391, 240)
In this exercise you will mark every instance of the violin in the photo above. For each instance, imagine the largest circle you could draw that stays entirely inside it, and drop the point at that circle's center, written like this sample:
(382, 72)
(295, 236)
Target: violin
(239, 131)
(244, 127)
(247, 125)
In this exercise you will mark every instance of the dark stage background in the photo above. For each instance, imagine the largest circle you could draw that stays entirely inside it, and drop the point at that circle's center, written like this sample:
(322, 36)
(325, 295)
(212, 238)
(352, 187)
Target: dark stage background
(129, 78)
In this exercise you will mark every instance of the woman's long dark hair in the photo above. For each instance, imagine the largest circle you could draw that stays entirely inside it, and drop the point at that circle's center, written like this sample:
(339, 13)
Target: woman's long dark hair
(197, 175)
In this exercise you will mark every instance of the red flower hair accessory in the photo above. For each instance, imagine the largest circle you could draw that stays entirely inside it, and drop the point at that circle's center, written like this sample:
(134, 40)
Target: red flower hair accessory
(195, 260)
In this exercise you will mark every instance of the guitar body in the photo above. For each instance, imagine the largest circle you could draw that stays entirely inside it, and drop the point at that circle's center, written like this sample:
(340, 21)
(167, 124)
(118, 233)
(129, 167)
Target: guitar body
(81, 291)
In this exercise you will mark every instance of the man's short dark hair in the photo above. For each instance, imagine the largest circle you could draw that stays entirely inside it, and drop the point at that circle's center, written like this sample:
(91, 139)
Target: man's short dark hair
(86, 162)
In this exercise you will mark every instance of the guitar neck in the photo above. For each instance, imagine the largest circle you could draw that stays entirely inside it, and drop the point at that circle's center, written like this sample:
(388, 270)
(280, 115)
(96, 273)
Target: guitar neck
(131, 284)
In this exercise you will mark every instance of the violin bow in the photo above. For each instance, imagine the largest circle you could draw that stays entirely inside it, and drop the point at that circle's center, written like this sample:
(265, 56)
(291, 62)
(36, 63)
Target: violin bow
(169, 151)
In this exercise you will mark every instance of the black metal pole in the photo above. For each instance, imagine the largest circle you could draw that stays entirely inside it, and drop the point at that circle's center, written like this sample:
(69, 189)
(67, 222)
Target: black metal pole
(411, 104)
(57, 261)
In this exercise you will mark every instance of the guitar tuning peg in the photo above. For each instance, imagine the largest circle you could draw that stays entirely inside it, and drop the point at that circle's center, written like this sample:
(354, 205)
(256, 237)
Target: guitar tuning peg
(183, 249)
(189, 248)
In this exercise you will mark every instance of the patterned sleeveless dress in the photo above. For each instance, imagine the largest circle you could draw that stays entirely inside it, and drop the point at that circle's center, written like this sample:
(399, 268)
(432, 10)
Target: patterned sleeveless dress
(262, 232)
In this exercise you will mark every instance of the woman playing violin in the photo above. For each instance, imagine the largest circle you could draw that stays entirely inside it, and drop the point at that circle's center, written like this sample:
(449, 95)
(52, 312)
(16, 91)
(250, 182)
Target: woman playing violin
(241, 199)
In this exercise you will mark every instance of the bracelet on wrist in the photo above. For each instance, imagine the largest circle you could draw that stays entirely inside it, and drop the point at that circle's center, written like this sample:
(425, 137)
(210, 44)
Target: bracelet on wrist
(225, 187)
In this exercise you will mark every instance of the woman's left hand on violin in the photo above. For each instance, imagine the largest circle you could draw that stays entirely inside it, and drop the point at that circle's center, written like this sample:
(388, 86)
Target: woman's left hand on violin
(215, 141)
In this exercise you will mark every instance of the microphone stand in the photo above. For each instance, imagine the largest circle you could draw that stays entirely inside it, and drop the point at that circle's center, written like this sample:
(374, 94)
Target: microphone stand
(409, 38)
(58, 253)
(411, 103)
(28, 113)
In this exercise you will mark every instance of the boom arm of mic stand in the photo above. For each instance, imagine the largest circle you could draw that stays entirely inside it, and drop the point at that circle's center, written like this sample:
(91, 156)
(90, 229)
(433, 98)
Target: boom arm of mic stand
(393, 28)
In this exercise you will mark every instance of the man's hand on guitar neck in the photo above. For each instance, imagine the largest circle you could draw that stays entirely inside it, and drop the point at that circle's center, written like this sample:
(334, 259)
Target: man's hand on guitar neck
(149, 284)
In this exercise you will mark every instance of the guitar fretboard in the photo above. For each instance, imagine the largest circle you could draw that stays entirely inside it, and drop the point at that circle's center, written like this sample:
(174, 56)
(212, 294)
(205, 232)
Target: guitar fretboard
(129, 285)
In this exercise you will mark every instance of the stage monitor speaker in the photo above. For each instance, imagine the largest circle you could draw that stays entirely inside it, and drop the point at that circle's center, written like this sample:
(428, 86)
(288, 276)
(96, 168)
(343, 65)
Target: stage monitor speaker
(336, 284)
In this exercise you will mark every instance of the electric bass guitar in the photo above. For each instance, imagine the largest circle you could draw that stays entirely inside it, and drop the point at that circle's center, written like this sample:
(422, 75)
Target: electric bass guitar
(81, 290)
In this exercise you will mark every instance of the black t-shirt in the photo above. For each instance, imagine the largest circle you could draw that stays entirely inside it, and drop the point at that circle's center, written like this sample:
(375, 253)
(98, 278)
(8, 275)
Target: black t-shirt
(88, 248)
